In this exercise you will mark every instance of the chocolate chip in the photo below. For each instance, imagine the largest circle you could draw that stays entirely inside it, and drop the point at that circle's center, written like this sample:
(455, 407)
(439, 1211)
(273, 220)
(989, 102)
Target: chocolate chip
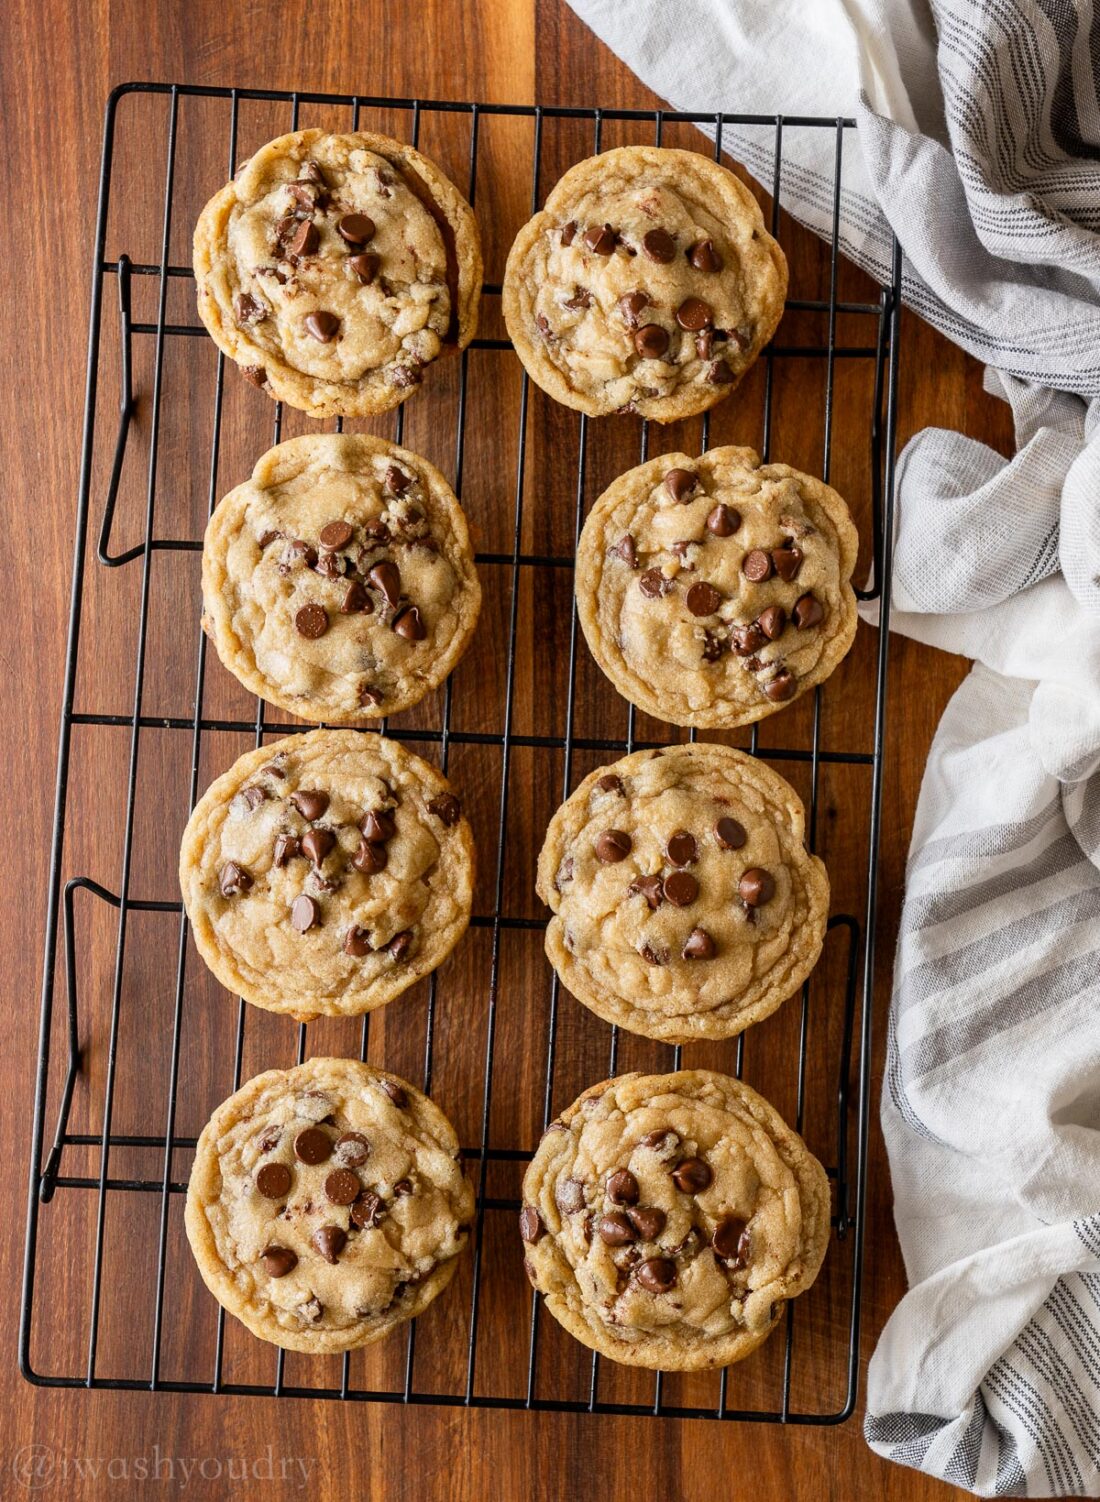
(316, 844)
(651, 341)
(311, 803)
(703, 256)
(531, 1227)
(249, 309)
(286, 847)
(255, 374)
(304, 913)
(356, 229)
(270, 1140)
(306, 195)
(692, 1175)
(720, 374)
(652, 888)
(772, 621)
(305, 243)
(405, 376)
(342, 1186)
(757, 565)
(311, 621)
(568, 231)
(369, 697)
(698, 946)
(610, 783)
(300, 552)
(659, 246)
(378, 825)
(654, 955)
(323, 326)
(612, 846)
(747, 639)
(680, 484)
(694, 314)
(681, 888)
(622, 1187)
(756, 887)
(787, 560)
(808, 611)
(703, 599)
(631, 307)
(400, 944)
(600, 239)
(615, 1230)
(367, 1211)
(542, 323)
(656, 1274)
(352, 1150)
(570, 1196)
(704, 344)
(336, 534)
(357, 942)
(723, 521)
(407, 623)
(330, 565)
(370, 859)
(396, 1093)
(648, 1221)
(330, 1241)
(653, 583)
(728, 1238)
(273, 1181)
(386, 576)
(681, 848)
(310, 172)
(626, 550)
(661, 1137)
(402, 1188)
(278, 1261)
(729, 834)
(581, 298)
(713, 647)
(312, 1146)
(233, 879)
(356, 600)
(781, 687)
(365, 266)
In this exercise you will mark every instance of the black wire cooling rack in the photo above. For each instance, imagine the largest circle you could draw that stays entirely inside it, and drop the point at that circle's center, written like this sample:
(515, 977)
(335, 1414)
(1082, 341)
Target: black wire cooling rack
(493, 1037)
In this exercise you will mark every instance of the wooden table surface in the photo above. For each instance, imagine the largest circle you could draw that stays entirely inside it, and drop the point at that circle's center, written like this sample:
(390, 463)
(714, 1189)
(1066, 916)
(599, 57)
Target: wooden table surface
(59, 64)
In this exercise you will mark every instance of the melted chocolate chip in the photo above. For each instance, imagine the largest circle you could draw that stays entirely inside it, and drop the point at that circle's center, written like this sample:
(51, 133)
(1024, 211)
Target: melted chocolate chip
(311, 803)
(600, 239)
(370, 858)
(329, 1242)
(357, 942)
(730, 834)
(787, 561)
(615, 1229)
(729, 1239)
(568, 231)
(656, 1274)
(278, 1261)
(694, 314)
(408, 623)
(365, 266)
(703, 256)
(680, 484)
(386, 576)
(747, 639)
(651, 341)
(681, 848)
(612, 846)
(316, 844)
(781, 687)
(322, 325)
(622, 1187)
(356, 229)
(692, 1175)
(756, 887)
(648, 1221)
(681, 888)
(772, 621)
(356, 600)
(720, 374)
(659, 246)
(652, 888)
(378, 825)
(807, 612)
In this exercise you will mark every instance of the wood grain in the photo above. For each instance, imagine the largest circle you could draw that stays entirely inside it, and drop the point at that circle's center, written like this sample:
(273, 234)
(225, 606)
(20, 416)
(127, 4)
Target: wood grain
(57, 69)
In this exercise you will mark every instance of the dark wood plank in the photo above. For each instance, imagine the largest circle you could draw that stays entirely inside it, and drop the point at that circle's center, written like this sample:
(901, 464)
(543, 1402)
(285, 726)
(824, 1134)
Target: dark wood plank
(59, 64)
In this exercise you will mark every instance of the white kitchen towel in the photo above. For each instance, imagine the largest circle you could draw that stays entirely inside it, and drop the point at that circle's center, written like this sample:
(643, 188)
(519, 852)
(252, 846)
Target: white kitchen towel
(979, 138)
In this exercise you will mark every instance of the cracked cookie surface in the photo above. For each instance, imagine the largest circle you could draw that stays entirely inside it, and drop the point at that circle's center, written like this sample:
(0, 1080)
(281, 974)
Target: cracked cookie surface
(646, 284)
(334, 268)
(327, 1204)
(712, 591)
(668, 1218)
(326, 873)
(338, 581)
(685, 904)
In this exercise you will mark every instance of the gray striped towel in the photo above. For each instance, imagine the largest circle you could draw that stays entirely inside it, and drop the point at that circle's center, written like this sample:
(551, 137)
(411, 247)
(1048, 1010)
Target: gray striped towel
(979, 131)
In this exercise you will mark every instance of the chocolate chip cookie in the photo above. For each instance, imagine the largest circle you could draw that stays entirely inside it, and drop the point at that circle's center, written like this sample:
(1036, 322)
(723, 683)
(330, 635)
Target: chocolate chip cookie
(327, 1204)
(685, 904)
(334, 268)
(669, 1217)
(713, 591)
(324, 874)
(338, 581)
(647, 284)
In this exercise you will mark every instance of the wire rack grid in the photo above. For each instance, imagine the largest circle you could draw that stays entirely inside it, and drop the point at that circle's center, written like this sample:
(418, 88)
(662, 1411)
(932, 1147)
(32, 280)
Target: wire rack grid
(540, 1368)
